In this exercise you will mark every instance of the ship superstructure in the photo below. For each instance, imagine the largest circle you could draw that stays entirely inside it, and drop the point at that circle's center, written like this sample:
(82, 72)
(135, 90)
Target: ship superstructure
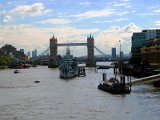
(68, 66)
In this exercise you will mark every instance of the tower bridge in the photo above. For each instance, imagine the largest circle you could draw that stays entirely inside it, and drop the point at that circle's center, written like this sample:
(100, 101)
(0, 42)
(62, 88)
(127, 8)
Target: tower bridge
(53, 60)
(70, 44)
(50, 55)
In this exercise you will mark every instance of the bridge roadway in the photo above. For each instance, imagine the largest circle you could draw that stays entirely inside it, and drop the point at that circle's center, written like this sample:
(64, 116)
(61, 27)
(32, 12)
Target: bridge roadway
(70, 44)
(143, 80)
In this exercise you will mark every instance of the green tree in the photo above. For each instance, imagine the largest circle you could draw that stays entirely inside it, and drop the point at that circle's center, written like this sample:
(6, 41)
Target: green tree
(4, 60)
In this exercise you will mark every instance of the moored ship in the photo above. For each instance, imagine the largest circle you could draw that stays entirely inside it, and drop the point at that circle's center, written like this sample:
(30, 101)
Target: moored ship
(114, 86)
(68, 66)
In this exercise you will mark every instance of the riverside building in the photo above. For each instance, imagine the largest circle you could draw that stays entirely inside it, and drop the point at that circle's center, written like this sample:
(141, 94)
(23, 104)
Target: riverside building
(113, 53)
(150, 53)
(139, 40)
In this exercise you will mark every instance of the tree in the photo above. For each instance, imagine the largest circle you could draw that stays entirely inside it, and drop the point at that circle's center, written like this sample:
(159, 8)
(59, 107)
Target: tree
(4, 60)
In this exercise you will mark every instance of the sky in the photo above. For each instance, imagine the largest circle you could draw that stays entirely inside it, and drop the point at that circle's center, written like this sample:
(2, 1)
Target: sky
(29, 24)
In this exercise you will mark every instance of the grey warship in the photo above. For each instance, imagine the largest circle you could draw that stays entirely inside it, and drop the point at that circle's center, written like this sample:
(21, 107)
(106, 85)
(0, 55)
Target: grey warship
(68, 66)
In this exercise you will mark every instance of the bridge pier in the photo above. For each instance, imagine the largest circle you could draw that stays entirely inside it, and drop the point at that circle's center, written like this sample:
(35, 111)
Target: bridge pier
(90, 46)
(53, 60)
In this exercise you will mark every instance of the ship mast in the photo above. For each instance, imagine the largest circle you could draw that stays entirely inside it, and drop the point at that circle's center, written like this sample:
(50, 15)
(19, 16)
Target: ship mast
(68, 49)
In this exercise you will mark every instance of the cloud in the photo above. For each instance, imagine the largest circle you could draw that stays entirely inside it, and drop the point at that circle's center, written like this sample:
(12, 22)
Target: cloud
(103, 21)
(122, 13)
(121, 3)
(3, 12)
(23, 36)
(146, 14)
(86, 3)
(157, 11)
(110, 21)
(55, 21)
(157, 23)
(32, 10)
(75, 31)
(110, 38)
(94, 14)
(30, 37)
(121, 19)
(125, 0)
(153, 7)
(7, 19)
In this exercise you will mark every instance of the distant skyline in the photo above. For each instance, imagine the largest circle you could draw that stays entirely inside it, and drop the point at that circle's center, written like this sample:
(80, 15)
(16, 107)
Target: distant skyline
(30, 24)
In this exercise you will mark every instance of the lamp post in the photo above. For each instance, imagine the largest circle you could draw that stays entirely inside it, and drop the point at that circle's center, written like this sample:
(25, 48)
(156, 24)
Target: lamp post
(120, 62)
(120, 50)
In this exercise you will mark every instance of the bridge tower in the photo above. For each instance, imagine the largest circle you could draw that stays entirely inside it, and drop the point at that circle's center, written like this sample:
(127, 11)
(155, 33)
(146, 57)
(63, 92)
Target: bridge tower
(53, 60)
(90, 46)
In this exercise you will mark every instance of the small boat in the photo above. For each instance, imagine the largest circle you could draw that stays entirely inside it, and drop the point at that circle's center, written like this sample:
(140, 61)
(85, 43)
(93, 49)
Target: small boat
(37, 81)
(114, 86)
(16, 71)
(68, 66)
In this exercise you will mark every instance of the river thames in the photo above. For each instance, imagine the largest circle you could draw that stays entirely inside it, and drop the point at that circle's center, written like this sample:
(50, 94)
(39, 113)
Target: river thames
(74, 99)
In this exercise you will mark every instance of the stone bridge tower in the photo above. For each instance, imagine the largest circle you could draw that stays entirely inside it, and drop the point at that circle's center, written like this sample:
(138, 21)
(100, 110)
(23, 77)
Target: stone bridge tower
(53, 61)
(90, 46)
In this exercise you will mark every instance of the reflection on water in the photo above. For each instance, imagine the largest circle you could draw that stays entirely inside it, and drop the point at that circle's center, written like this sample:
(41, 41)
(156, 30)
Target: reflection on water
(78, 99)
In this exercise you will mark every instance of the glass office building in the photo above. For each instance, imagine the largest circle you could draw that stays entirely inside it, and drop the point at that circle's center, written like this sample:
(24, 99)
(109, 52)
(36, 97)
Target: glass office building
(138, 40)
(113, 53)
(152, 33)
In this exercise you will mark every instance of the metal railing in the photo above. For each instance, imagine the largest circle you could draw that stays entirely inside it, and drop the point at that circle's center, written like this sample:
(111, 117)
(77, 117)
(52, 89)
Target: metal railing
(143, 80)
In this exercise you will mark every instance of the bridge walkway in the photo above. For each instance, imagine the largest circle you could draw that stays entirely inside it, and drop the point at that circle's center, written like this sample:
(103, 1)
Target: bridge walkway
(144, 80)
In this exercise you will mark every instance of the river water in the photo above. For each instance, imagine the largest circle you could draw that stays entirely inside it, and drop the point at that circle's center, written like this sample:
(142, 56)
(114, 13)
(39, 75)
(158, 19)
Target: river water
(74, 99)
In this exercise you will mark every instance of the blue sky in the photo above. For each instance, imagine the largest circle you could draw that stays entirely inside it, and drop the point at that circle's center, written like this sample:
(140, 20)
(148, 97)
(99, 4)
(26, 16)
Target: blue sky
(30, 24)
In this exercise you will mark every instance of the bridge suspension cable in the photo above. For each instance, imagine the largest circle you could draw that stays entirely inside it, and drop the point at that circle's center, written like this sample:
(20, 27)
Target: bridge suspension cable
(45, 52)
(101, 52)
